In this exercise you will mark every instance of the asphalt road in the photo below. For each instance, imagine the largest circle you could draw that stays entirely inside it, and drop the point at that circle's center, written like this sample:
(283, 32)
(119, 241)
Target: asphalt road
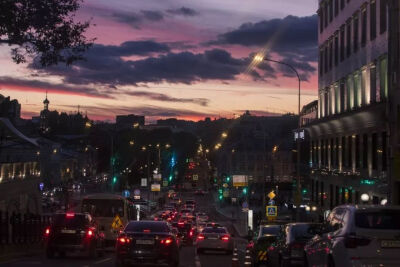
(188, 255)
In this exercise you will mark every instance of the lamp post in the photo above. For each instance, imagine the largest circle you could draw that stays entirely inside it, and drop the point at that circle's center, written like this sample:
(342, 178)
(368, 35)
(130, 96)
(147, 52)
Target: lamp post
(258, 59)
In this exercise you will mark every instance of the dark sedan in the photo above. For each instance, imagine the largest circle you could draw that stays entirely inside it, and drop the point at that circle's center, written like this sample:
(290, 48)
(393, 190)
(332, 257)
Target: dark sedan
(147, 242)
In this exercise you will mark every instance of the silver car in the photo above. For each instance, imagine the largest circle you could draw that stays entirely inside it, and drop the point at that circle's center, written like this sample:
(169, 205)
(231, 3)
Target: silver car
(214, 238)
(357, 236)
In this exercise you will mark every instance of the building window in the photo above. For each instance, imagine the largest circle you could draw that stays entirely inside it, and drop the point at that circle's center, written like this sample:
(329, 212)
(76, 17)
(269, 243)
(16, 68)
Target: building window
(350, 94)
(383, 90)
(365, 151)
(355, 33)
(344, 164)
(374, 151)
(348, 38)
(336, 7)
(383, 16)
(321, 62)
(357, 151)
(326, 58)
(372, 11)
(357, 89)
(350, 150)
(342, 97)
(321, 20)
(365, 90)
(384, 151)
(363, 27)
(330, 11)
(341, 4)
(336, 50)
(337, 152)
(330, 54)
(372, 74)
(337, 99)
(332, 150)
(326, 100)
(326, 15)
(342, 55)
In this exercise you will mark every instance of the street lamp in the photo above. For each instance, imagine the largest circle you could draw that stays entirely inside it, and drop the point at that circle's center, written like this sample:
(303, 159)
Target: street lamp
(131, 142)
(258, 59)
(224, 135)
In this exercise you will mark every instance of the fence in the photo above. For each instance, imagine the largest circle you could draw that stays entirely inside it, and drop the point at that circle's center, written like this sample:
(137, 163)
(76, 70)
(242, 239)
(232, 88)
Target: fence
(16, 228)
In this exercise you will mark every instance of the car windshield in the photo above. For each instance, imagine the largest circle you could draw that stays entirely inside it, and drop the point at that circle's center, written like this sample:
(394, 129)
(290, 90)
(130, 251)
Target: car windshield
(70, 220)
(103, 207)
(214, 230)
(305, 231)
(383, 219)
(270, 230)
(144, 226)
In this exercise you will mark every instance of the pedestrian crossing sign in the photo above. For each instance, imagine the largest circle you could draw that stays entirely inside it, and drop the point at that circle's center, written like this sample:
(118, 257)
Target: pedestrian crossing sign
(272, 211)
(117, 223)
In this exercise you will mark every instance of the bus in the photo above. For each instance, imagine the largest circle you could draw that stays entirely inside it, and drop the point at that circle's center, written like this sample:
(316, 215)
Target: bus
(105, 208)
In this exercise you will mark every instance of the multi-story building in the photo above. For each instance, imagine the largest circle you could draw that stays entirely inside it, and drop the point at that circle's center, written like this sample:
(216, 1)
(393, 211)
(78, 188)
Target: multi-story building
(129, 121)
(10, 109)
(349, 141)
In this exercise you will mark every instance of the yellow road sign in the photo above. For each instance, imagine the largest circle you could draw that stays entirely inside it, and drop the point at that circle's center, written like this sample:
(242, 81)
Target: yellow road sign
(272, 211)
(117, 223)
(271, 195)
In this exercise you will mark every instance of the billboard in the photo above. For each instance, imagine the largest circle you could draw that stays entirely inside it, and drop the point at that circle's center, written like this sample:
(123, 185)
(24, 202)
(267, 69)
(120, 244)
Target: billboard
(157, 177)
(240, 180)
(155, 187)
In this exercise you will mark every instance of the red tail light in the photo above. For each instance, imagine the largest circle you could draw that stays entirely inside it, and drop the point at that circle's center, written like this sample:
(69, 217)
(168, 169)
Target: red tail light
(166, 241)
(47, 231)
(90, 233)
(155, 218)
(123, 240)
(191, 233)
(354, 242)
(225, 238)
(146, 231)
(200, 237)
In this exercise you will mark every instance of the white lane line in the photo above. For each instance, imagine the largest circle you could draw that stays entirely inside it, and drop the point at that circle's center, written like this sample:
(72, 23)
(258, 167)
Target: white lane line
(197, 261)
(101, 261)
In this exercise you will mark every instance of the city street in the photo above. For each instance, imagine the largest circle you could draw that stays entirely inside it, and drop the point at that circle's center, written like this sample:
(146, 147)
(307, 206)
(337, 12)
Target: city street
(188, 255)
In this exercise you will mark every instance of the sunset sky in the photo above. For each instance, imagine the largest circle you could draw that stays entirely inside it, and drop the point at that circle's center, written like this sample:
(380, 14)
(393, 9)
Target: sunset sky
(178, 58)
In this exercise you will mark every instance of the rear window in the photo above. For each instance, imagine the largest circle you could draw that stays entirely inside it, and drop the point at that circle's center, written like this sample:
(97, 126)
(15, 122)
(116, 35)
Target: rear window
(103, 207)
(75, 221)
(270, 230)
(384, 219)
(214, 231)
(305, 231)
(154, 227)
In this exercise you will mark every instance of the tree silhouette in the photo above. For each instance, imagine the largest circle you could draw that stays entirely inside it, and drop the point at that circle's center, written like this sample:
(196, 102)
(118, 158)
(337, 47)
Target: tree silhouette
(45, 29)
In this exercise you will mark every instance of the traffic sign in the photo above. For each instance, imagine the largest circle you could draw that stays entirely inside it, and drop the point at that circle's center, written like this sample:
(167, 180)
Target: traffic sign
(226, 193)
(165, 183)
(245, 205)
(195, 177)
(272, 211)
(136, 192)
(117, 223)
(271, 195)
(271, 202)
(126, 193)
(155, 187)
(143, 182)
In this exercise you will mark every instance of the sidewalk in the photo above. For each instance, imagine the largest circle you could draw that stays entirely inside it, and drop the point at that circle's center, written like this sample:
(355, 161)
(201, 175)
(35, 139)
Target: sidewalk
(9, 252)
(235, 214)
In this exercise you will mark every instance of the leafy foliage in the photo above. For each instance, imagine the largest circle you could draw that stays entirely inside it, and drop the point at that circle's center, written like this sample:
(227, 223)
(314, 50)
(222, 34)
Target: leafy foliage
(44, 29)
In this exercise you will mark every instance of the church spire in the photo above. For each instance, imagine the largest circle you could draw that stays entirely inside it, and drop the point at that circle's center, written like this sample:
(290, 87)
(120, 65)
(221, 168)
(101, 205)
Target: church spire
(46, 103)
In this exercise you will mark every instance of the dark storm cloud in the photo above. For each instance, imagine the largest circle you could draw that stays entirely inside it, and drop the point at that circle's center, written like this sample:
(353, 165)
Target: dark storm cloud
(35, 85)
(184, 67)
(166, 98)
(153, 15)
(184, 11)
(129, 48)
(288, 35)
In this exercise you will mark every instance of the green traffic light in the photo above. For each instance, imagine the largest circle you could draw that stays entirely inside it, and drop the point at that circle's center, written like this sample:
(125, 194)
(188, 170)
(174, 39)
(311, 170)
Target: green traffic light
(244, 190)
(170, 178)
(220, 197)
(305, 191)
(228, 179)
(114, 179)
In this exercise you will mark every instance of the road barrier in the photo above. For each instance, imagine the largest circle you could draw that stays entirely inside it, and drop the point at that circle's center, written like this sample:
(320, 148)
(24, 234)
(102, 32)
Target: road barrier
(247, 258)
(17, 228)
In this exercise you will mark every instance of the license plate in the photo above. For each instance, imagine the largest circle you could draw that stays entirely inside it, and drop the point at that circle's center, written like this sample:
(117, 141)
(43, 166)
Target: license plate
(64, 231)
(390, 244)
(144, 242)
(212, 238)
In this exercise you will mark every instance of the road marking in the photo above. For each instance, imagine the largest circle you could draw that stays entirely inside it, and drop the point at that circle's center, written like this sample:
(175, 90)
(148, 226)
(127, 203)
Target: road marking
(101, 261)
(197, 261)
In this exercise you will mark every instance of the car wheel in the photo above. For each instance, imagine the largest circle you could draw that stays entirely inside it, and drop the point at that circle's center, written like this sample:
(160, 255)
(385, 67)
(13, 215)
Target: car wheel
(50, 253)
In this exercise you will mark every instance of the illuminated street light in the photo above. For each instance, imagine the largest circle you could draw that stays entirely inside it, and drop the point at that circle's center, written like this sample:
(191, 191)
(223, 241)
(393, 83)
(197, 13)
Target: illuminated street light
(167, 146)
(136, 125)
(158, 145)
(207, 150)
(131, 142)
(88, 124)
(275, 149)
(233, 150)
(143, 148)
(258, 58)
(364, 197)
(224, 135)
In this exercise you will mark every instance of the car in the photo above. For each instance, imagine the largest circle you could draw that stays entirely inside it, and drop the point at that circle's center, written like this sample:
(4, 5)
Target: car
(357, 235)
(212, 224)
(214, 238)
(178, 236)
(200, 226)
(73, 232)
(190, 202)
(147, 242)
(199, 192)
(260, 242)
(201, 216)
(288, 249)
(186, 230)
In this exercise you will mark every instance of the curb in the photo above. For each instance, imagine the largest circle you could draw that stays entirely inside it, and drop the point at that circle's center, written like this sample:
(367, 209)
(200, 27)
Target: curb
(11, 253)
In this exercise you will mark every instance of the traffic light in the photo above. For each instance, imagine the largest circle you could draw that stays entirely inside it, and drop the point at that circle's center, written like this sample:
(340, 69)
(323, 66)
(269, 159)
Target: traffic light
(304, 191)
(244, 191)
(170, 178)
(114, 180)
(220, 197)
(228, 179)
